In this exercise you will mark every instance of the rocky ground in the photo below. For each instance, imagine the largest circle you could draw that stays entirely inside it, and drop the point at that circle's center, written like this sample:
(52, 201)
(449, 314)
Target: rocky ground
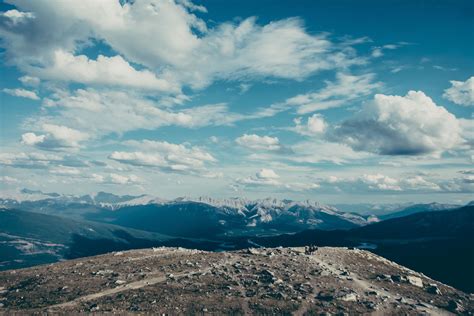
(256, 281)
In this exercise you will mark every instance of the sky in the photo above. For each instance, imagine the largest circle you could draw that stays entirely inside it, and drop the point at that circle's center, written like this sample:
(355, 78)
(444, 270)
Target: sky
(335, 101)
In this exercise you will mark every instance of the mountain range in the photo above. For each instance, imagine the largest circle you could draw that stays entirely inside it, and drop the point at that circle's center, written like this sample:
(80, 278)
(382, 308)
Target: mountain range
(37, 227)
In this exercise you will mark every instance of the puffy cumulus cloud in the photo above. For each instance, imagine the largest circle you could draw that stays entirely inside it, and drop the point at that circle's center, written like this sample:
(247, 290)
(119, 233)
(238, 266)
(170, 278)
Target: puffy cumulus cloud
(400, 125)
(461, 92)
(16, 17)
(189, 51)
(346, 88)
(168, 157)
(29, 81)
(380, 182)
(114, 71)
(262, 177)
(269, 178)
(22, 93)
(256, 142)
(315, 125)
(267, 174)
(56, 137)
(32, 139)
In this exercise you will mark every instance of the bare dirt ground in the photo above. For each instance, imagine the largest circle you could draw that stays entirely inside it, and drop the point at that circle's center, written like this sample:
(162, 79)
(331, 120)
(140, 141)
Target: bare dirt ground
(174, 281)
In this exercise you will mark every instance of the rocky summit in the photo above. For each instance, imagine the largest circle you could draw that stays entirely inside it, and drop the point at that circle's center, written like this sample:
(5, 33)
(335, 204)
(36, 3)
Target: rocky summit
(299, 281)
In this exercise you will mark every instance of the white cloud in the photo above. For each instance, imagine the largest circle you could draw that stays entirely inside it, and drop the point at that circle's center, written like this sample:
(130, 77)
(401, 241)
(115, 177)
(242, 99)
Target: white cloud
(29, 81)
(165, 156)
(347, 88)
(32, 139)
(65, 171)
(378, 51)
(400, 125)
(56, 137)
(267, 174)
(380, 182)
(16, 17)
(256, 142)
(189, 52)
(463, 184)
(461, 93)
(114, 71)
(317, 150)
(269, 178)
(121, 179)
(315, 125)
(23, 93)
(104, 112)
(8, 180)
(41, 160)
(262, 177)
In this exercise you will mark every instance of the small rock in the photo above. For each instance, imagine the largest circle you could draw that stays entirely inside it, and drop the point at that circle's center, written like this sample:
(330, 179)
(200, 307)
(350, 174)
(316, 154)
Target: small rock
(399, 278)
(402, 300)
(433, 289)
(325, 296)
(104, 272)
(94, 308)
(455, 306)
(371, 305)
(416, 281)
(266, 276)
(384, 277)
(351, 297)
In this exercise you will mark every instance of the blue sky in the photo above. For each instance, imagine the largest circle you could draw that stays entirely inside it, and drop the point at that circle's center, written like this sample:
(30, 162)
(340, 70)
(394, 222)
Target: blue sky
(333, 101)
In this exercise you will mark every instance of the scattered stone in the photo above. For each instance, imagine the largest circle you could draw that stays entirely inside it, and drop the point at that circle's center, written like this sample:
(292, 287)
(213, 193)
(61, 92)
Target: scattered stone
(94, 308)
(266, 276)
(325, 296)
(350, 297)
(455, 306)
(229, 282)
(416, 281)
(384, 277)
(433, 289)
(402, 300)
(104, 272)
(399, 278)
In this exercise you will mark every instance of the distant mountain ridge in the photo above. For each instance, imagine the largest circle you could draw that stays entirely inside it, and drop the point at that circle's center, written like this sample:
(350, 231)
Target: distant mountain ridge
(236, 212)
